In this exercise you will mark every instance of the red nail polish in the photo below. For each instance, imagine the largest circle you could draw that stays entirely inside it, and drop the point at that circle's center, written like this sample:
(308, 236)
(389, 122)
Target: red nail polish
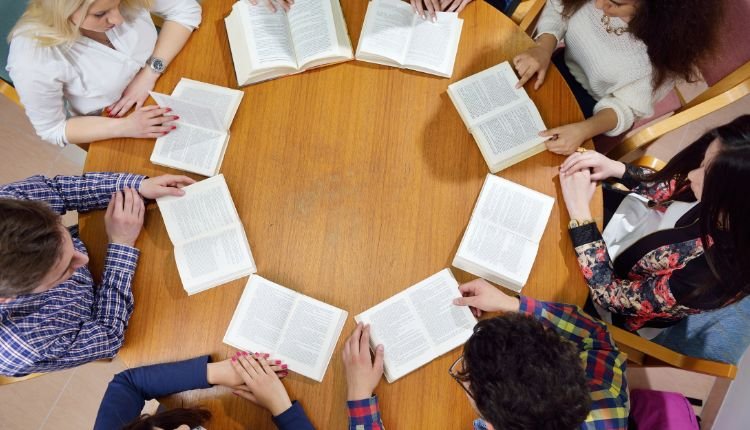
(176, 117)
(173, 127)
(169, 109)
(244, 353)
(163, 133)
(256, 354)
(283, 366)
(266, 355)
(278, 361)
(234, 359)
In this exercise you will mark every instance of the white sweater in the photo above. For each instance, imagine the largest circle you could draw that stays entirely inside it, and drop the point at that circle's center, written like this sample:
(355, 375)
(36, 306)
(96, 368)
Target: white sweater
(615, 70)
(85, 77)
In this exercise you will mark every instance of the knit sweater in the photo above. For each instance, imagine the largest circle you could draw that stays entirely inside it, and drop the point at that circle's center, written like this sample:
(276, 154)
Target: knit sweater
(615, 70)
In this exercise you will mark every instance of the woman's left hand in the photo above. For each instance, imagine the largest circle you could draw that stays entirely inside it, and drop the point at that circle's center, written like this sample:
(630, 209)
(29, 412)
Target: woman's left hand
(566, 138)
(453, 5)
(135, 94)
(578, 189)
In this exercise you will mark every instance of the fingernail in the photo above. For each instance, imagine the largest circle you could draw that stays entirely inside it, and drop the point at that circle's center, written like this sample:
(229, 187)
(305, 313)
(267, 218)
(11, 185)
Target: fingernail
(244, 353)
(176, 117)
(164, 132)
(257, 355)
(283, 366)
(234, 359)
(173, 127)
(266, 355)
(278, 362)
(169, 109)
(235, 394)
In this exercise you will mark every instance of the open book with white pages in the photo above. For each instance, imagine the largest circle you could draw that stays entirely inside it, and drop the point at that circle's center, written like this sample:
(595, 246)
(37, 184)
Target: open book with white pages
(210, 246)
(266, 45)
(393, 35)
(294, 328)
(502, 239)
(503, 120)
(200, 140)
(419, 324)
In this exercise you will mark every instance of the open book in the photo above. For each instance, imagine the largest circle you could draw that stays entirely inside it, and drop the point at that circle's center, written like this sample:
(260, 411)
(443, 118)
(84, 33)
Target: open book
(419, 324)
(292, 327)
(503, 120)
(200, 140)
(210, 246)
(393, 35)
(266, 45)
(502, 239)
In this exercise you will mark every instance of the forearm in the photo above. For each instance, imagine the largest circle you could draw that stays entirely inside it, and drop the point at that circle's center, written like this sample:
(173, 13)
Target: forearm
(87, 129)
(172, 38)
(602, 122)
(548, 43)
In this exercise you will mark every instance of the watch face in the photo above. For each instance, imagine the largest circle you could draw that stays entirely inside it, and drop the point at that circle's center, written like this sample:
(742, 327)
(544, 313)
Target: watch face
(158, 65)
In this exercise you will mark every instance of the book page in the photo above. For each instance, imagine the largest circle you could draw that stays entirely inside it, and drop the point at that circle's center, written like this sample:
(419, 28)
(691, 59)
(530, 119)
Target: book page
(194, 149)
(387, 29)
(270, 40)
(206, 207)
(191, 113)
(214, 259)
(294, 328)
(504, 230)
(432, 46)
(486, 92)
(223, 101)
(419, 324)
(313, 30)
(510, 131)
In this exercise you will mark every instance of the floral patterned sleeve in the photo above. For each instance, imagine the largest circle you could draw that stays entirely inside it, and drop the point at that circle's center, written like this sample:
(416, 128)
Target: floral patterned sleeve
(647, 292)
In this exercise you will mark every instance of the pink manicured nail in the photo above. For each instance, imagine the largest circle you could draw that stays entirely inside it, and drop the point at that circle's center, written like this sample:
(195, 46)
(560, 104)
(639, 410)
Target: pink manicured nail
(266, 355)
(244, 353)
(169, 109)
(234, 359)
(278, 361)
(173, 127)
(283, 366)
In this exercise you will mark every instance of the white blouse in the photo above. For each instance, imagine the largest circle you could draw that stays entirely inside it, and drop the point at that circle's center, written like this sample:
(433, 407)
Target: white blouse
(86, 76)
(615, 70)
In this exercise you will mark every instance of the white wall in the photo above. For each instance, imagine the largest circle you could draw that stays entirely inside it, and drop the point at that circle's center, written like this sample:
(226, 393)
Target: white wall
(735, 410)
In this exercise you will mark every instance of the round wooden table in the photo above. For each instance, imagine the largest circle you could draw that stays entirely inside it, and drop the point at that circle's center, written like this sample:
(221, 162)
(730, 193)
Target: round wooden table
(353, 182)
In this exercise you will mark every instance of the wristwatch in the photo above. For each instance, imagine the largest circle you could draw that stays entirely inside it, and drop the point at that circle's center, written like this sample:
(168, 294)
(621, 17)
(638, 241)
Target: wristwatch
(156, 64)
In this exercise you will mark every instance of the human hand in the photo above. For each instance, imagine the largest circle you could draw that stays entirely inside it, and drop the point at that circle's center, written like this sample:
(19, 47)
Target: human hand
(565, 139)
(533, 61)
(124, 217)
(480, 296)
(264, 388)
(285, 4)
(453, 5)
(601, 166)
(362, 373)
(578, 189)
(135, 93)
(431, 6)
(164, 185)
(222, 372)
(147, 122)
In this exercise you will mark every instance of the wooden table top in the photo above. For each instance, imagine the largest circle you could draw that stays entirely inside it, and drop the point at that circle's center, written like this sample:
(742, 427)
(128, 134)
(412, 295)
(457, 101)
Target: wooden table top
(353, 182)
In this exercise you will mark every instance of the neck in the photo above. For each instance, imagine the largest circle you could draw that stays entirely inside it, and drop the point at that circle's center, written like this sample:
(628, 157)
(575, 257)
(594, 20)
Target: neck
(5, 300)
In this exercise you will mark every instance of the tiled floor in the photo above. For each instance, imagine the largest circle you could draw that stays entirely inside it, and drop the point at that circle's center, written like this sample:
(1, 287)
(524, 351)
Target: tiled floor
(69, 399)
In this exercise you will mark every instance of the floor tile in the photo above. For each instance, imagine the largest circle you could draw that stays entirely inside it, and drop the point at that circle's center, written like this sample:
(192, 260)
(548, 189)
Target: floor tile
(26, 404)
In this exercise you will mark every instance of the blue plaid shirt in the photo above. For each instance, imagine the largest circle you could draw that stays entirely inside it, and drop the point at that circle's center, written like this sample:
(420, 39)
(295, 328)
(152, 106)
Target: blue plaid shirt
(76, 321)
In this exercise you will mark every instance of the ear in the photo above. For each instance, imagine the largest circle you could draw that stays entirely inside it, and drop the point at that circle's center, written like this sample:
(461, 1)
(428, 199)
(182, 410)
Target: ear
(6, 299)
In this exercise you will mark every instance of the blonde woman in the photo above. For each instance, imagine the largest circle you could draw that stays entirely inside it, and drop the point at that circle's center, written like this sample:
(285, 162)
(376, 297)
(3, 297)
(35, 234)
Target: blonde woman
(80, 66)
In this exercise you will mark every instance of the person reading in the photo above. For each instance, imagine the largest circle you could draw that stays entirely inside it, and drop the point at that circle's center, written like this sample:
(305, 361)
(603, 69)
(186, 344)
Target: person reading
(53, 315)
(677, 243)
(559, 342)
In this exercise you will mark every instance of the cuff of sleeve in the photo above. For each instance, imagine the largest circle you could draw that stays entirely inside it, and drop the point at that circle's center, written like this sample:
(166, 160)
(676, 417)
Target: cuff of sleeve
(584, 234)
(557, 33)
(526, 304)
(625, 115)
(121, 257)
(631, 177)
(129, 180)
(199, 372)
(365, 411)
(289, 416)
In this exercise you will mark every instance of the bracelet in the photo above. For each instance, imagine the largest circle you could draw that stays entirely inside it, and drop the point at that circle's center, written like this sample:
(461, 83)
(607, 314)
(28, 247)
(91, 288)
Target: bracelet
(578, 223)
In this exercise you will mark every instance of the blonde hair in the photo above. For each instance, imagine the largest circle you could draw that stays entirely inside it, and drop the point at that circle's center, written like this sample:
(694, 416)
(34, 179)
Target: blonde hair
(48, 21)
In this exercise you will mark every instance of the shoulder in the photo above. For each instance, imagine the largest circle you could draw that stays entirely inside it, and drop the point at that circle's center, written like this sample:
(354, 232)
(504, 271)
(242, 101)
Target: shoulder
(27, 55)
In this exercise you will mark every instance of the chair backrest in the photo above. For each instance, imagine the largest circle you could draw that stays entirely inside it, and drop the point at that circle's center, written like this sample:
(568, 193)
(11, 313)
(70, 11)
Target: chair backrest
(720, 335)
(11, 11)
(734, 45)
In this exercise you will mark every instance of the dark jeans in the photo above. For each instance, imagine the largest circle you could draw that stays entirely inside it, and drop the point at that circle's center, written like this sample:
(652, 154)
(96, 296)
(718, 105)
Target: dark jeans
(584, 99)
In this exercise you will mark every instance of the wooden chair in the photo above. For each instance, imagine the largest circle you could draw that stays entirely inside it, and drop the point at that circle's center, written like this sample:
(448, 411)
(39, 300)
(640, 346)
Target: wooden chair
(8, 91)
(6, 380)
(643, 352)
(527, 13)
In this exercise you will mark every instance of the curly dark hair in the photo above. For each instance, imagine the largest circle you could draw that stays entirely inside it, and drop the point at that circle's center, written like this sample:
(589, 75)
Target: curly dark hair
(678, 34)
(525, 377)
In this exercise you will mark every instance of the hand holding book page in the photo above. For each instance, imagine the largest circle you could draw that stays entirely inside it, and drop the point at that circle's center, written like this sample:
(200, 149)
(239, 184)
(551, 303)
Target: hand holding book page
(419, 324)
(296, 329)
(394, 35)
(503, 120)
(502, 239)
(267, 44)
(199, 142)
(210, 243)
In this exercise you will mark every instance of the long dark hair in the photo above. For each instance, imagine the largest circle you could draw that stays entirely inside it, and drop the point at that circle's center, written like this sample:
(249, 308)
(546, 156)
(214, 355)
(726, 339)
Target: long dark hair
(724, 210)
(678, 34)
(171, 419)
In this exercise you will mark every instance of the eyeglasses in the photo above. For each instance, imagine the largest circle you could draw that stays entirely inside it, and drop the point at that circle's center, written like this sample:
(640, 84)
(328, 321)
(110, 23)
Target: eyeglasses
(458, 373)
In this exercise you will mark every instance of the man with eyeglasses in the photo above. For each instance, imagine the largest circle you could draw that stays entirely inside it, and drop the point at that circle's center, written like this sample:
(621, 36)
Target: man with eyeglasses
(538, 365)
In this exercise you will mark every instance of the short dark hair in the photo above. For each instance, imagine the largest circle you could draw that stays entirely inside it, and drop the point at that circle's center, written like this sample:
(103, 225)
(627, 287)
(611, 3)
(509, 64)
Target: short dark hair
(171, 419)
(30, 243)
(525, 377)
